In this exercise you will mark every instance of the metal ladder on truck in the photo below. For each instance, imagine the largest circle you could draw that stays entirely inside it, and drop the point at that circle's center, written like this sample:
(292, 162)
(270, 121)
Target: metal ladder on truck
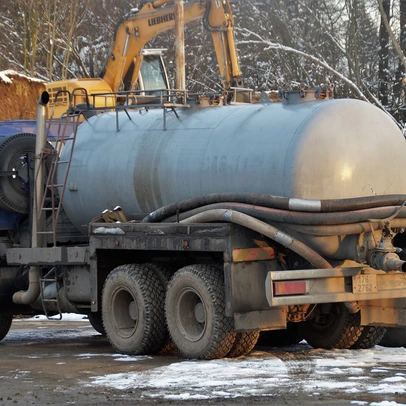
(51, 202)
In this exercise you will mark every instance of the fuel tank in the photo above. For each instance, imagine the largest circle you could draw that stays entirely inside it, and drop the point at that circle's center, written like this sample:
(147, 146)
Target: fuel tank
(314, 150)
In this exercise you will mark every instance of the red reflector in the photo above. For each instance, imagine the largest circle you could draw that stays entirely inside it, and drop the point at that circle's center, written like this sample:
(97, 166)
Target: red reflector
(289, 288)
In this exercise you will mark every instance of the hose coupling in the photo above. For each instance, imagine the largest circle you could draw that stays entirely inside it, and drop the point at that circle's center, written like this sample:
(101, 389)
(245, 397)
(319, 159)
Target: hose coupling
(386, 261)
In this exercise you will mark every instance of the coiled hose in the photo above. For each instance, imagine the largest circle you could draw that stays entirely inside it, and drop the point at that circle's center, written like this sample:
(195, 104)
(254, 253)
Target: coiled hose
(262, 213)
(278, 202)
(263, 228)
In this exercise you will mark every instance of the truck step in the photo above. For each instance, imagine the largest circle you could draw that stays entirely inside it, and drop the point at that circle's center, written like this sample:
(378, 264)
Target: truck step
(50, 278)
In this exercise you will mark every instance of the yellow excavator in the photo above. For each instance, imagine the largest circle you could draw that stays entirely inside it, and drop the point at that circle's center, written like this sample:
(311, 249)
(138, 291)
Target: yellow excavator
(131, 67)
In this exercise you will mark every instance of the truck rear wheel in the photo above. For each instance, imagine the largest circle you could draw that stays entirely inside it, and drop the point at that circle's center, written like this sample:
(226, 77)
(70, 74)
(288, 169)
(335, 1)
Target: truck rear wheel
(5, 324)
(370, 336)
(394, 337)
(333, 326)
(195, 312)
(133, 310)
(243, 344)
(95, 319)
(164, 274)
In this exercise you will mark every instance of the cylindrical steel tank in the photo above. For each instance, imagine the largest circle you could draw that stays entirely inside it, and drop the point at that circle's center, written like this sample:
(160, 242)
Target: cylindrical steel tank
(315, 150)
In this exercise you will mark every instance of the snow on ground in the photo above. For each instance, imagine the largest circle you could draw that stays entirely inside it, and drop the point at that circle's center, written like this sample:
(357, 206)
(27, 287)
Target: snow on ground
(302, 370)
(263, 373)
(65, 317)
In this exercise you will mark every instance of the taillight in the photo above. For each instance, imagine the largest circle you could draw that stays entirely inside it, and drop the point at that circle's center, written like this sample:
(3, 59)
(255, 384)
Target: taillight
(290, 288)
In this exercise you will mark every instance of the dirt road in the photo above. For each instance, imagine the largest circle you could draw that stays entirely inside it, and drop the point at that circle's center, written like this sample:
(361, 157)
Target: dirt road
(65, 363)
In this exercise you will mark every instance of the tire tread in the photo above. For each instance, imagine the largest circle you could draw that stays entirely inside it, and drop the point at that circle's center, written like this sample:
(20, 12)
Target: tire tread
(164, 274)
(394, 337)
(222, 339)
(341, 336)
(153, 296)
(370, 336)
(243, 344)
(5, 324)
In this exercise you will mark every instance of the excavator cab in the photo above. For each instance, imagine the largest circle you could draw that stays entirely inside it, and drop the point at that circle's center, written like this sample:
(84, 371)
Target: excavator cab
(152, 75)
(152, 78)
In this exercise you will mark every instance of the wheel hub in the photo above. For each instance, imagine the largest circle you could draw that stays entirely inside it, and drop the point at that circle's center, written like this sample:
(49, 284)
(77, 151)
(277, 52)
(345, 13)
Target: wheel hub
(191, 314)
(124, 312)
(200, 313)
(133, 310)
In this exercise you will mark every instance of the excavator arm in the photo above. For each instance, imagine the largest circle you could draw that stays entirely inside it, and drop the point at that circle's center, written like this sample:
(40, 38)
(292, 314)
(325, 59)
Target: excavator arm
(140, 26)
(219, 21)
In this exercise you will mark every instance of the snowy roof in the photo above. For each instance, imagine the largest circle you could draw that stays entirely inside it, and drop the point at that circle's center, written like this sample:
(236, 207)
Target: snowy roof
(6, 76)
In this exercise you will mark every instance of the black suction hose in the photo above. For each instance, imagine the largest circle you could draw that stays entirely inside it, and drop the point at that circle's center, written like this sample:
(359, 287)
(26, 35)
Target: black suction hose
(278, 202)
(263, 228)
(315, 217)
(292, 217)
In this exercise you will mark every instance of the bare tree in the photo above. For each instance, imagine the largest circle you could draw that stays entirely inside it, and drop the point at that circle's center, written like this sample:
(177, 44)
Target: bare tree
(53, 18)
(28, 24)
(402, 21)
(384, 8)
(75, 14)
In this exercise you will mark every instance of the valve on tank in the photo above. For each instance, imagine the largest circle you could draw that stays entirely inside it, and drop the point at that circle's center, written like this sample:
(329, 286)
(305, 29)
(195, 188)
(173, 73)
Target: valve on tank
(385, 257)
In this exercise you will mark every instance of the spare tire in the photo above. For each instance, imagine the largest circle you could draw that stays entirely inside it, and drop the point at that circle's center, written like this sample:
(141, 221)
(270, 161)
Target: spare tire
(14, 190)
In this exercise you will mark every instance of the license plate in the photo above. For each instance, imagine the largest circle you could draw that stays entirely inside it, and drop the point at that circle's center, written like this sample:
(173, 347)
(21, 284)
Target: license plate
(364, 284)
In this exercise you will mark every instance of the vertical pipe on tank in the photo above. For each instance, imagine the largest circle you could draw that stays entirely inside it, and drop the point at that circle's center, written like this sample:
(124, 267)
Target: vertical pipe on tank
(180, 45)
(31, 294)
(40, 142)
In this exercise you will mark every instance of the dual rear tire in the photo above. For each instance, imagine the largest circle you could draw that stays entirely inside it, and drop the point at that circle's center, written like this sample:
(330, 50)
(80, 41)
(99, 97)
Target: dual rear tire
(136, 318)
(394, 337)
(334, 326)
(195, 313)
(133, 310)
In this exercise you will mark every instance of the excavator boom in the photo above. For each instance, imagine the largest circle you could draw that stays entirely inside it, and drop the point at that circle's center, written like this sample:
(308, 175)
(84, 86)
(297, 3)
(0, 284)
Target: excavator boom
(140, 26)
(131, 67)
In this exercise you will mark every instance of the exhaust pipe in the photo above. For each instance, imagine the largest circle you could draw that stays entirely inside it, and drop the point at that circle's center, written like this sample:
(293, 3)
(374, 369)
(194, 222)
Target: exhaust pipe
(39, 168)
(31, 295)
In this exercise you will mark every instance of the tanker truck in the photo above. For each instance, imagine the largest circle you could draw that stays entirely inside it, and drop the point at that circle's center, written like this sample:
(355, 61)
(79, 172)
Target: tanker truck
(207, 224)
(204, 223)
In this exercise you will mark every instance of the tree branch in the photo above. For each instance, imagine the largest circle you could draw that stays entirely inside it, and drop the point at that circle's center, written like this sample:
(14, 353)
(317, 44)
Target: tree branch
(350, 83)
(395, 43)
